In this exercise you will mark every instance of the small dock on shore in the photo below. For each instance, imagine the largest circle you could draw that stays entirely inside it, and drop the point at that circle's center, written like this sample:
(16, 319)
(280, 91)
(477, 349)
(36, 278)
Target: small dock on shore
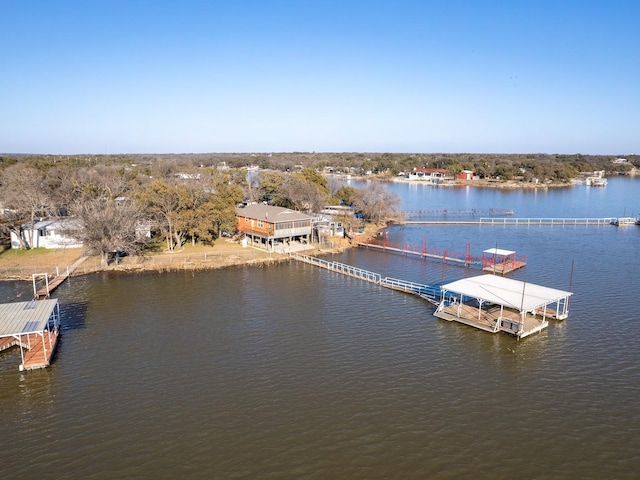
(32, 326)
(43, 287)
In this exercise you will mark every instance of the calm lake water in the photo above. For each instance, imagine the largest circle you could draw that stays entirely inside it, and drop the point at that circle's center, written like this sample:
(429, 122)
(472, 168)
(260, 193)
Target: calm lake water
(291, 371)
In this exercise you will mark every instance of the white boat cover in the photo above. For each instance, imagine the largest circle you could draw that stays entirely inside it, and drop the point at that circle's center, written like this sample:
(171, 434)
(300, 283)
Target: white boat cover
(514, 294)
(498, 251)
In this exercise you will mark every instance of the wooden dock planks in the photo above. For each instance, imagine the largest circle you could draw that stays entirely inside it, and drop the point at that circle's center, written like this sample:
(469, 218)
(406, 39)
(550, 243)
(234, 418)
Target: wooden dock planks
(41, 350)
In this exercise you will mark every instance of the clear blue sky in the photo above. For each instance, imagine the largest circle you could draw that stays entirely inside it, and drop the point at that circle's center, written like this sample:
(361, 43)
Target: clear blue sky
(501, 76)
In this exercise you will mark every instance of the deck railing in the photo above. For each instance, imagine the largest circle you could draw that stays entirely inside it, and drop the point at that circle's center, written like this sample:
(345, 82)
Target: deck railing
(427, 292)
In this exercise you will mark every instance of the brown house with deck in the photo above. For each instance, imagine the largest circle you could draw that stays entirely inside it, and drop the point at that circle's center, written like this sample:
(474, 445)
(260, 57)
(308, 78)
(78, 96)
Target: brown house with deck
(264, 225)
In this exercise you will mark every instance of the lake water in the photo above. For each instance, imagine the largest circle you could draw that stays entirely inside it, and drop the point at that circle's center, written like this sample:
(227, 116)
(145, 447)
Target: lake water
(291, 371)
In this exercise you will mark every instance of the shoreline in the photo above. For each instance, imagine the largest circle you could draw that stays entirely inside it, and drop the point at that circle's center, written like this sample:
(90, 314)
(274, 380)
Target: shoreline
(223, 254)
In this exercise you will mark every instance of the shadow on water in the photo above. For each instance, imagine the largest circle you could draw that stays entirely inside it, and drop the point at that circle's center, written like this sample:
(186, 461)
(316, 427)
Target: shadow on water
(74, 315)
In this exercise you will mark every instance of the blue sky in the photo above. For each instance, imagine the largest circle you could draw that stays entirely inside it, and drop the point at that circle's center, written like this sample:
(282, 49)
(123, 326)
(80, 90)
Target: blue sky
(540, 76)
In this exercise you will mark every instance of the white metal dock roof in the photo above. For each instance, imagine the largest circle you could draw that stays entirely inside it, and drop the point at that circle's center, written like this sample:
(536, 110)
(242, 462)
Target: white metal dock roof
(511, 293)
(25, 317)
(498, 251)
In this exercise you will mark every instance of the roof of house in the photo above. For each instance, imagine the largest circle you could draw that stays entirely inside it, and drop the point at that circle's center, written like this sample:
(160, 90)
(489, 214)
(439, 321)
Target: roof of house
(268, 213)
(25, 317)
(55, 223)
(429, 170)
(511, 293)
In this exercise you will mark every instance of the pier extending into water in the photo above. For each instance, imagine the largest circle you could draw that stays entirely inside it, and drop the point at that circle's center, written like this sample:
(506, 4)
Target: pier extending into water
(430, 293)
(492, 260)
(516, 221)
(487, 302)
(42, 287)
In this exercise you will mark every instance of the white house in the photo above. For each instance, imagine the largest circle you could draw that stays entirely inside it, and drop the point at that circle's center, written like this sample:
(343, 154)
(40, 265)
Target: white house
(430, 175)
(47, 234)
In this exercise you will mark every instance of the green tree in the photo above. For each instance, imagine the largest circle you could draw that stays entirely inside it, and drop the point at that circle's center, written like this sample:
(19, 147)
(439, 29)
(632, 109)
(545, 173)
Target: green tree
(313, 177)
(270, 187)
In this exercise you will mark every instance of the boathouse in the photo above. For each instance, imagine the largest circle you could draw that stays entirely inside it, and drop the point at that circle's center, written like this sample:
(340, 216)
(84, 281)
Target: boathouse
(498, 304)
(266, 225)
(34, 327)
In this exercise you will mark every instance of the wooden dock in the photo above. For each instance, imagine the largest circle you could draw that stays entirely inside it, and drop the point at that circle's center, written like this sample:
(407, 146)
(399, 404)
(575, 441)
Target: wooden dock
(491, 321)
(493, 318)
(33, 327)
(49, 286)
(498, 304)
(504, 267)
(39, 350)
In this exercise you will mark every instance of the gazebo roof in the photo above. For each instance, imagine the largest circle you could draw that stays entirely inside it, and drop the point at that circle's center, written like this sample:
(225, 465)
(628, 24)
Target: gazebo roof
(498, 251)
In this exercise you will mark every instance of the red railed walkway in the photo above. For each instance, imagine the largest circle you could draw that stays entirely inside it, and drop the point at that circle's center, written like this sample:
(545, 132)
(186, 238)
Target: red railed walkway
(500, 265)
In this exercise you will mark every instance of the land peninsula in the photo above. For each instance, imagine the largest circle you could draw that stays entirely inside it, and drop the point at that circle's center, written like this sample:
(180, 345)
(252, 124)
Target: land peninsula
(171, 212)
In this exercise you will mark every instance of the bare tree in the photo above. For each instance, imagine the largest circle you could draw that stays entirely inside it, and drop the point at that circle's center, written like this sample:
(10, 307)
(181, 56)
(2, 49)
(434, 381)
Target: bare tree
(105, 227)
(25, 196)
(376, 203)
(301, 195)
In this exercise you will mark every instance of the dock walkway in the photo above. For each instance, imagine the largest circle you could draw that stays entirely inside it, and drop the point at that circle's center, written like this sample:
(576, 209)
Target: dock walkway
(515, 221)
(430, 293)
(49, 286)
(465, 304)
(502, 264)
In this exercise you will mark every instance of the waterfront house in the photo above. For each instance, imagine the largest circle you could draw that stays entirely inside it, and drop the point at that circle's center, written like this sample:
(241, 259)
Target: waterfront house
(266, 225)
(50, 233)
(429, 175)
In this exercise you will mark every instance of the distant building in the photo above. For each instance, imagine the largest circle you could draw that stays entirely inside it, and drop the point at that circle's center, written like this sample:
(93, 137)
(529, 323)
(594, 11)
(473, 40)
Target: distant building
(430, 175)
(265, 225)
(465, 175)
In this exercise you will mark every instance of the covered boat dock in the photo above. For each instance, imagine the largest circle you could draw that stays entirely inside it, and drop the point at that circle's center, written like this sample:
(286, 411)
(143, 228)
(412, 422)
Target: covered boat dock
(498, 260)
(32, 326)
(498, 304)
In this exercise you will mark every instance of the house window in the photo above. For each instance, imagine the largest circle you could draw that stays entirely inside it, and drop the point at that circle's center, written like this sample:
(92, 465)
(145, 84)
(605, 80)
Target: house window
(260, 224)
(42, 232)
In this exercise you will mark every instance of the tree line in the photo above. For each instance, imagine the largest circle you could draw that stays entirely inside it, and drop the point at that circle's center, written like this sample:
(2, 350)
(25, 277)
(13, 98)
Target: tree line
(116, 202)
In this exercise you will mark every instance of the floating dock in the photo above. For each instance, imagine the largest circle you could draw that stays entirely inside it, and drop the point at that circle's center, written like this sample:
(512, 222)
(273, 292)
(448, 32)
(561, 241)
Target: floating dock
(487, 302)
(497, 304)
(493, 260)
(34, 327)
